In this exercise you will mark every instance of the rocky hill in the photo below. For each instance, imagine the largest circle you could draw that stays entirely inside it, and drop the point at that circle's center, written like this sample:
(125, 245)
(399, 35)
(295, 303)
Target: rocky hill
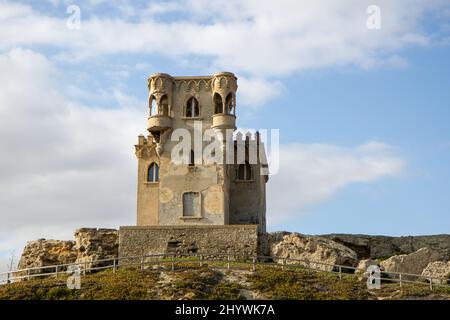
(426, 255)
(382, 247)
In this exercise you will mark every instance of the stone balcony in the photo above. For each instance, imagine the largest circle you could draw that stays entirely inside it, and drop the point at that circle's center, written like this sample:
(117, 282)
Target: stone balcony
(224, 121)
(159, 123)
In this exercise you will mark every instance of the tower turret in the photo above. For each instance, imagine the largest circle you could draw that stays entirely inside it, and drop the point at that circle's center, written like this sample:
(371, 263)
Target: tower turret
(224, 86)
(160, 105)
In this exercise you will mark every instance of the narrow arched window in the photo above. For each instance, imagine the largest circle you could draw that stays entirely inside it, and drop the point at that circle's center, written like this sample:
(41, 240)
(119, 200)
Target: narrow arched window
(164, 106)
(192, 158)
(229, 103)
(218, 106)
(153, 107)
(153, 173)
(192, 109)
(244, 171)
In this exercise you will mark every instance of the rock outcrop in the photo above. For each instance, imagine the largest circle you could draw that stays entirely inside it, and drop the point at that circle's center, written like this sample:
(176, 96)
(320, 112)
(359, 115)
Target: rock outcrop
(438, 269)
(42, 252)
(267, 240)
(413, 263)
(96, 244)
(361, 269)
(364, 264)
(382, 247)
(90, 244)
(313, 250)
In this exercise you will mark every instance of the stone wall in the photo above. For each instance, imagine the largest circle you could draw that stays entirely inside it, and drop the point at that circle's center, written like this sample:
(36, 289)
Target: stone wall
(237, 239)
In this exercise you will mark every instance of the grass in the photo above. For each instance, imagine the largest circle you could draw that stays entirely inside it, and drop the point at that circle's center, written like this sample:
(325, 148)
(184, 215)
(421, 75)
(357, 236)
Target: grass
(307, 285)
(391, 291)
(127, 284)
(123, 285)
(207, 282)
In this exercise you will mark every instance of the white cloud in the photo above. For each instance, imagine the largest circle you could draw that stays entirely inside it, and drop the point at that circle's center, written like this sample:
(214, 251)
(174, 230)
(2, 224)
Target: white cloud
(63, 165)
(316, 172)
(257, 39)
(254, 92)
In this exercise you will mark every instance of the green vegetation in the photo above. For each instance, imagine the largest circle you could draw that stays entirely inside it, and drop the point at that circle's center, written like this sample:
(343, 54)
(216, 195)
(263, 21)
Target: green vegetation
(412, 292)
(194, 282)
(127, 284)
(307, 285)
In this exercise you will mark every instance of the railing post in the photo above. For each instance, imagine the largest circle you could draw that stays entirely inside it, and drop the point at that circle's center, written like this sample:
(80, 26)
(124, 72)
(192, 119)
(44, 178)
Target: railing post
(254, 265)
(142, 263)
(431, 284)
(201, 260)
(114, 265)
(228, 262)
(282, 265)
(340, 272)
(173, 262)
(28, 274)
(56, 271)
(400, 278)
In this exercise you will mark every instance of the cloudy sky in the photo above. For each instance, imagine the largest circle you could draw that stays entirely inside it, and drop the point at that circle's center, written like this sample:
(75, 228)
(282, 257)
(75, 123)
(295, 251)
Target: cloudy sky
(363, 112)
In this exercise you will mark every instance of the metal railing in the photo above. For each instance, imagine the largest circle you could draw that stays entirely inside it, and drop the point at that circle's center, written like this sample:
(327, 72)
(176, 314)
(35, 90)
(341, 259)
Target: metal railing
(229, 261)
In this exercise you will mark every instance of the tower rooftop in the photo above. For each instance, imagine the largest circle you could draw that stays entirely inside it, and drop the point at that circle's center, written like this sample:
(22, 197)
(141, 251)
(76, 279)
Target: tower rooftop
(217, 74)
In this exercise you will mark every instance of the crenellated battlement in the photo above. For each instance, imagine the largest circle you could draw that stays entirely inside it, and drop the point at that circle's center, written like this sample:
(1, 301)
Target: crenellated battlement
(247, 136)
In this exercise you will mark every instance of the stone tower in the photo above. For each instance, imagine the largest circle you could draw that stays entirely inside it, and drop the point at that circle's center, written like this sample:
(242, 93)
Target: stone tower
(197, 192)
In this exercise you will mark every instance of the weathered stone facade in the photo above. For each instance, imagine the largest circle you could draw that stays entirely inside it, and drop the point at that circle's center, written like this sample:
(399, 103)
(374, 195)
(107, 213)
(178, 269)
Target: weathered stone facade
(198, 192)
(234, 239)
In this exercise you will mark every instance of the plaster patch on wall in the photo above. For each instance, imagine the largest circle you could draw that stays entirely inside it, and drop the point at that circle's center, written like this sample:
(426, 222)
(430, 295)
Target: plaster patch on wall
(165, 195)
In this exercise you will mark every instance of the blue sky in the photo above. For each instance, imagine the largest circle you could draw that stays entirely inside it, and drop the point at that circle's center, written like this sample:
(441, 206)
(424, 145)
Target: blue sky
(408, 108)
(363, 114)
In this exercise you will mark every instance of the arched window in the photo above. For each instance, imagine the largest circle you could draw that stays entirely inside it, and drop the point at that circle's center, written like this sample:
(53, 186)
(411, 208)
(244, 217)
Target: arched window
(153, 107)
(192, 158)
(218, 106)
(192, 109)
(164, 106)
(245, 171)
(153, 173)
(229, 103)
